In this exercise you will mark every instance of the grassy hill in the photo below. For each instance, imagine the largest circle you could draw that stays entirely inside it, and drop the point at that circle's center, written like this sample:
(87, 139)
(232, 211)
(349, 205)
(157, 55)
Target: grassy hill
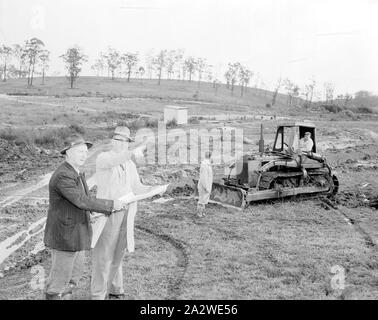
(168, 89)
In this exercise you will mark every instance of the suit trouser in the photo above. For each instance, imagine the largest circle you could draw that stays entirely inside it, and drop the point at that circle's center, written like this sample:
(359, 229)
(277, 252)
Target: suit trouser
(107, 256)
(66, 269)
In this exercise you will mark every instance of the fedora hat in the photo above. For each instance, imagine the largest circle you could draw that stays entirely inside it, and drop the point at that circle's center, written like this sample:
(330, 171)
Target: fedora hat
(74, 141)
(122, 133)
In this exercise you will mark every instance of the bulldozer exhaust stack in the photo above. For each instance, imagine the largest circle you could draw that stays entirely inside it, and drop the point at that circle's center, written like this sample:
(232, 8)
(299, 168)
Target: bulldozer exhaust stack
(261, 141)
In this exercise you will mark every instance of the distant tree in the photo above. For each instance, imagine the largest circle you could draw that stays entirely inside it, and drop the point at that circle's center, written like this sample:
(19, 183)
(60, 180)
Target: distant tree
(5, 55)
(289, 86)
(32, 50)
(365, 100)
(329, 89)
(99, 66)
(130, 60)
(244, 75)
(209, 76)
(179, 57)
(73, 59)
(170, 63)
(44, 62)
(232, 74)
(275, 92)
(362, 94)
(309, 92)
(190, 66)
(347, 99)
(12, 71)
(227, 75)
(200, 66)
(160, 61)
(113, 60)
(216, 85)
(18, 54)
(149, 63)
(295, 92)
(141, 71)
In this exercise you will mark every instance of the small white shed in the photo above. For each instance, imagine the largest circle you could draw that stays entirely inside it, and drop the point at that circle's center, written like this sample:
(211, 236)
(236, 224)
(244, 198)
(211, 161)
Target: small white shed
(176, 112)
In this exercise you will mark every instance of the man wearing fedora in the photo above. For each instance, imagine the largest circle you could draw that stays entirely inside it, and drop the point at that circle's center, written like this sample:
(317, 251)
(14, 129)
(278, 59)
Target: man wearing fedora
(68, 231)
(116, 176)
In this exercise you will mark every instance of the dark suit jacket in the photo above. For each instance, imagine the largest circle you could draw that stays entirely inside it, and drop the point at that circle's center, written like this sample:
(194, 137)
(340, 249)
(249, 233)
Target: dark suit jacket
(68, 225)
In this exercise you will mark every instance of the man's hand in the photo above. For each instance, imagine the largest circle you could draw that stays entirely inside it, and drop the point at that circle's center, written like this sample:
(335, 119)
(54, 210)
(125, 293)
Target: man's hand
(119, 205)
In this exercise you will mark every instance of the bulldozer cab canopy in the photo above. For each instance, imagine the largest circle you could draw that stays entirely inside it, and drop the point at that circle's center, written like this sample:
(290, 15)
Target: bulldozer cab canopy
(289, 133)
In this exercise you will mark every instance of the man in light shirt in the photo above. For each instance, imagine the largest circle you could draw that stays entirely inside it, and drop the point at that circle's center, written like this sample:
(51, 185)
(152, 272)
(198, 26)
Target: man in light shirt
(306, 143)
(205, 184)
(116, 176)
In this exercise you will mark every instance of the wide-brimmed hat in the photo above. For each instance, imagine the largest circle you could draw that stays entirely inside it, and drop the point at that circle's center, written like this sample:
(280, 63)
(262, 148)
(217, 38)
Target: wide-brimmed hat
(74, 141)
(122, 133)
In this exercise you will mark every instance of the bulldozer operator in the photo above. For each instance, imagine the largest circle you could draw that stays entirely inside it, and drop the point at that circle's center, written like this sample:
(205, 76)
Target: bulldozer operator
(306, 143)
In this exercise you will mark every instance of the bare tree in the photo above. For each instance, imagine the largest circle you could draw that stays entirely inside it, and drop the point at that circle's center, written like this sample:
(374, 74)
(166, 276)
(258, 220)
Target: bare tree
(190, 66)
(232, 74)
(32, 50)
(179, 63)
(289, 86)
(200, 66)
(275, 93)
(73, 58)
(44, 62)
(18, 53)
(99, 65)
(329, 89)
(244, 76)
(227, 75)
(309, 92)
(160, 62)
(5, 55)
(130, 60)
(149, 63)
(170, 63)
(113, 60)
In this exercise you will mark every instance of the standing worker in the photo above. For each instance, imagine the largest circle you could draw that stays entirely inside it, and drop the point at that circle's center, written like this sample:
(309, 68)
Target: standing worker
(68, 230)
(205, 184)
(116, 176)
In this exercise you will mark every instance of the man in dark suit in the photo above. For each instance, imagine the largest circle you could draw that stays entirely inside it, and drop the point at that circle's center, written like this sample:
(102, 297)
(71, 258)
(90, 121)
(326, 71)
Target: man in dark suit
(68, 229)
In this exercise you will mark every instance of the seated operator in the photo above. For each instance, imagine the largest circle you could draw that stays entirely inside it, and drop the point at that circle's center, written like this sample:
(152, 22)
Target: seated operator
(306, 143)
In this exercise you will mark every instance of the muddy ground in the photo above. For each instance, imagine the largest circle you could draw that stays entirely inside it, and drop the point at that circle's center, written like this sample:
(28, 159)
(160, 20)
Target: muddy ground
(285, 249)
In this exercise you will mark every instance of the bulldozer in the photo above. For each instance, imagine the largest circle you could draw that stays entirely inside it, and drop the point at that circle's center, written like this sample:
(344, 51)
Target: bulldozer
(280, 171)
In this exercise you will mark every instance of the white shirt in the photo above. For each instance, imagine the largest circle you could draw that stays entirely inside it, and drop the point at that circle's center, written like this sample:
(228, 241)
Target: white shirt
(306, 145)
(206, 175)
(116, 176)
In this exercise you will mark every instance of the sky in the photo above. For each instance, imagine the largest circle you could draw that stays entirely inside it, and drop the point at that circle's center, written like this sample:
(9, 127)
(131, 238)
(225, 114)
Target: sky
(327, 40)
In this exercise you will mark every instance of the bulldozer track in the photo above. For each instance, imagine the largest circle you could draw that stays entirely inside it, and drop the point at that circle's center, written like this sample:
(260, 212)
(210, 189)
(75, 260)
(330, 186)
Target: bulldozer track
(175, 285)
(369, 242)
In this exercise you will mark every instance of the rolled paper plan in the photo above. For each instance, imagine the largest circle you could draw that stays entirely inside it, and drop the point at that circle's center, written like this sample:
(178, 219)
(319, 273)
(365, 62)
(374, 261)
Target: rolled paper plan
(98, 220)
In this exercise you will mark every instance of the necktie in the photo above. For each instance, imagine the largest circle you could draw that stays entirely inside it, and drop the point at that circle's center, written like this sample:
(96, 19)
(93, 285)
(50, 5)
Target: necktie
(82, 177)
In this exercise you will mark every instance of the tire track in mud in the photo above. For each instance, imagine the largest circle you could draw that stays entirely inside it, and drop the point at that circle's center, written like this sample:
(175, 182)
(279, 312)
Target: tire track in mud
(175, 285)
(369, 242)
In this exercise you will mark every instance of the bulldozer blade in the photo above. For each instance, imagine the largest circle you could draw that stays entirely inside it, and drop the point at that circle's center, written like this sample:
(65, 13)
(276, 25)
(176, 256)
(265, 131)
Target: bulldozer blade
(228, 196)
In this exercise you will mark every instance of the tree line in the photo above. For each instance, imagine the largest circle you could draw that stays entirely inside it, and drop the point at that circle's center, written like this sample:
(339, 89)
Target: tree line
(32, 58)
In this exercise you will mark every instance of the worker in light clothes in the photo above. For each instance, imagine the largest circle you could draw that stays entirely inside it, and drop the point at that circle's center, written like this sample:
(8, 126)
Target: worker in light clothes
(205, 184)
(306, 143)
(116, 176)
